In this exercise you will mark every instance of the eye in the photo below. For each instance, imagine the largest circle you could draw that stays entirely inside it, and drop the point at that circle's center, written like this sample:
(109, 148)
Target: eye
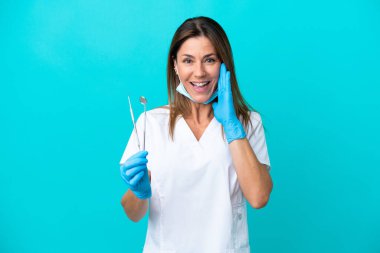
(210, 60)
(187, 60)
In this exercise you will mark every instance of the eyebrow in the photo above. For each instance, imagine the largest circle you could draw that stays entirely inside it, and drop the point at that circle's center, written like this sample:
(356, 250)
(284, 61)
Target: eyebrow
(207, 55)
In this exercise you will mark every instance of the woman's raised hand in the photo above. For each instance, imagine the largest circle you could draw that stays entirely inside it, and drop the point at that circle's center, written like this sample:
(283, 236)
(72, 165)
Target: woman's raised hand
(224, 110)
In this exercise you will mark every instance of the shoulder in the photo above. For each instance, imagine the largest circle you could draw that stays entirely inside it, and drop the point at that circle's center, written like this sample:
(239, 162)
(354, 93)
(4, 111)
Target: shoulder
(159, 113)
(255, 117)
(157, 117)
(256, 122)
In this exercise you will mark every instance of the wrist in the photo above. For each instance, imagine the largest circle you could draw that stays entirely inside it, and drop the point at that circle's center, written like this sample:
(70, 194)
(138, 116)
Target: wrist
(143, 195)
(234, 130)
(142, 192)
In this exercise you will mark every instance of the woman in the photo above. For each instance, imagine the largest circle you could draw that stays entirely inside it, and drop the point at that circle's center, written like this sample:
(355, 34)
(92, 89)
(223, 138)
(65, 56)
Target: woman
(207, 152)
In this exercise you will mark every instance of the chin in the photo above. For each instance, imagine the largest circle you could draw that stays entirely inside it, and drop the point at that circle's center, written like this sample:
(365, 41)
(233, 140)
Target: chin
(201, 100)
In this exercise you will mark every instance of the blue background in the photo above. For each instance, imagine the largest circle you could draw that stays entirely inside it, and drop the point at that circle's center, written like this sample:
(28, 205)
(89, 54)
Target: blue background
(311, 68)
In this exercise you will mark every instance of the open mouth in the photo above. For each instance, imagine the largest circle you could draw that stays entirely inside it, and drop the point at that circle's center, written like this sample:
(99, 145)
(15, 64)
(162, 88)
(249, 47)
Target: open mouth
(200, 84)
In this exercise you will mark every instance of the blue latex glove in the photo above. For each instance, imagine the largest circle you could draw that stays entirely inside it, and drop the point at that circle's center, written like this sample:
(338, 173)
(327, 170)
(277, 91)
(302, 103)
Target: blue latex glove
(135, 173)
(224, 110)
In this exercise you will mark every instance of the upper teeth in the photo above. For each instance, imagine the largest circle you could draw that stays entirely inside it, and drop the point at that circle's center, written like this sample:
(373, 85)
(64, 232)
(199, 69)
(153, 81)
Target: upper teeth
(200, 84)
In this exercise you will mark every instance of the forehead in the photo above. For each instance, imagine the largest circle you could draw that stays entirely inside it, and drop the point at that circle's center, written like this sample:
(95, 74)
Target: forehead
(196, 46)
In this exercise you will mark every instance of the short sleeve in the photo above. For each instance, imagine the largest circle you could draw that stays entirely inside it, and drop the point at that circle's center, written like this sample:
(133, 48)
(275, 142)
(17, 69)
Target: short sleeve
(256, 137)
(132, 145)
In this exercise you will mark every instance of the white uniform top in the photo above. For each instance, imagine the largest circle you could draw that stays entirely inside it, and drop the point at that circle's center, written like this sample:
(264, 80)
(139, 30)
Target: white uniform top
(196, 205)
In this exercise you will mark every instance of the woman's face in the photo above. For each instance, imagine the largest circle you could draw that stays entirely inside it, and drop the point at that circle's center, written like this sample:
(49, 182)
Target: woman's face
(198, 67)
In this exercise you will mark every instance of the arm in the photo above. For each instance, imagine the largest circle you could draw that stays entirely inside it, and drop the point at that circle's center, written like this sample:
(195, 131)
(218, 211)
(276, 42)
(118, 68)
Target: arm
(254, 179)
(135, 174)
(134, 207)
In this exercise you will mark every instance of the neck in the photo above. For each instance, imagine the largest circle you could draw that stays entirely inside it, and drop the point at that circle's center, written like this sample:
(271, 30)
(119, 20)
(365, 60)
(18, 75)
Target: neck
(201, 113)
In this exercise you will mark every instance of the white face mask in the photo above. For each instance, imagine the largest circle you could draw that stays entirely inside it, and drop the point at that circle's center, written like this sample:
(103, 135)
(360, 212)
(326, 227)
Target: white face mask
(181, 89)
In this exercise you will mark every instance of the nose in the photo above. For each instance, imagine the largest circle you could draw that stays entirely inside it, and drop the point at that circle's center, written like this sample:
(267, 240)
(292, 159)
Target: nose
(199, 70)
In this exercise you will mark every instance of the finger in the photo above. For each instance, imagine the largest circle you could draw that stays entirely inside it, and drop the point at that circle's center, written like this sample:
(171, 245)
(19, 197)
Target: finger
(223, 68)
(142, 153)
(214, 105)
(122, 172)
(220, 86)
(129, 174)
(221, 72)
(135, 162)
(135, 180)
(221, 81)
(228, 80)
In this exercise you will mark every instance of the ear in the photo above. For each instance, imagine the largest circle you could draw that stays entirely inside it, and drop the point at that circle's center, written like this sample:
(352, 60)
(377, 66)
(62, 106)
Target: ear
(175, 66)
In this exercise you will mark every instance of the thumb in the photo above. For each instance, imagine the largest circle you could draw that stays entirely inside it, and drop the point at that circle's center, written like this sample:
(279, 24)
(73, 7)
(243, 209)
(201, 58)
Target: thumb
(214, 105)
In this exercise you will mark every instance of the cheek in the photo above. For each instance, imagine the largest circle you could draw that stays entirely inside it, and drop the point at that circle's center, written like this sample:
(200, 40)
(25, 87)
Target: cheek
(215, 76)
(184, 74)
(214, 72)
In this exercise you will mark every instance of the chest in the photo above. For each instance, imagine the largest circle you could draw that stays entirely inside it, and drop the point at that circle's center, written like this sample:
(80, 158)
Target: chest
(192, 160)
(184, 168)
(196, 129)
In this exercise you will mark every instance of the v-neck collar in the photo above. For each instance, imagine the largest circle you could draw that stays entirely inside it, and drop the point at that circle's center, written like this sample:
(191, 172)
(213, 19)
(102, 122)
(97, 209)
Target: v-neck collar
(189, 132)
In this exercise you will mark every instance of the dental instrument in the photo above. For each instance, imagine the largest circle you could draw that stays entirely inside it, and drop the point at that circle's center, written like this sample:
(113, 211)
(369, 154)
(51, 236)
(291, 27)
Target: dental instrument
(143, 101)
(133, 121)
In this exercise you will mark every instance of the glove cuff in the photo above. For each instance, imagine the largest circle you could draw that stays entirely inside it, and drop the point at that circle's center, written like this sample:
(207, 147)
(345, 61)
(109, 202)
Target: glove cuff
(144, 195)
(234, 130)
